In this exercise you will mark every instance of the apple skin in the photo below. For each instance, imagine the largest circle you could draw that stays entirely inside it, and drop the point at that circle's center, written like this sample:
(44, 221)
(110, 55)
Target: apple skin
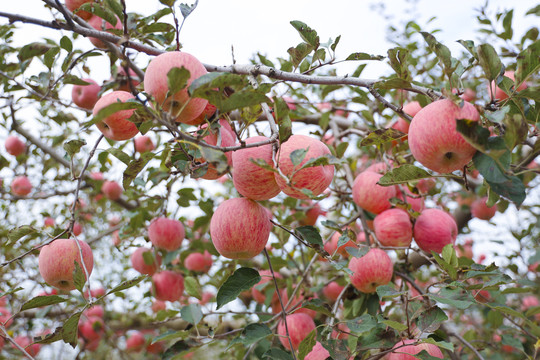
(198, 262)
(21, 186)
(14, 145)
(168, 285)
(94, 311)
(86, 96)
(92, 328)
(77, 229)
(403, 125)
(317, 178)
(371, 270)
(122, 79)
(112, 190)
(48, 222)
(331, 246)
(318, 352)
(416, 201)
(434, 229)
(135, 342)
(167, 234)
(116, 126)
(296, 304)
(370, 196)
(97, 23)
(137, 261)
(499, 93)
(207, 113)
(144, 144)
(5, 317)
(433, 350)
(227, 139)
(312, 214)
(56, 262)
(27, 344)
(251, 180)
(158, 305)
(393, 227)
(240, 228)
(332, 291)
(480, 210)
(434, 140)
(266, 277)
(73, 5)
(299, 325)
(155, 84)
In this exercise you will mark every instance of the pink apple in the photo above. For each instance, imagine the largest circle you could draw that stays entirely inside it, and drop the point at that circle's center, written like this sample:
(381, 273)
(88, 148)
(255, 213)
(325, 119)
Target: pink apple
(332, 290)
(425, 185)
(181, 106)
(206, 297)
(434, 229)
(401, 352)
(324, 106)
(135, 342)
(122, 79)
(97, 176)
(410, 109)
(27, 344)
(198, 262)
(5, 317)
(225, 136)
(94, 311)
(168, 285)
(14, 145)
(48, 222)
(434, 140)
(331, 245)
(250, 180)
(99, 24)
(291, 103)
(318, 352)
(91, 328)
(480, 210)
(369, 195)
(86, 96)
(116, 126)
(207, 113)
(144, 144)
(112, 190)
(21, 186)
(138, 263)
(393, 227)
(499, 93)
(468, 95)
(371, 270)
(266, 278)
(77, 229)
(299, 326)
(73, 5)
(312, 212)
(295, 305)
(465, 250)
(166, 234)
(56, 262)
(240, 228)
(158, 305)
(316, 179)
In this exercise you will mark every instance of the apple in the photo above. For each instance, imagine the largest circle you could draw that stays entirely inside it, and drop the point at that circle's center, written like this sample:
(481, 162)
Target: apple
(468, 94)
(94, 311)
(207, 113)
(181, 106)
(97, 176)
(480, 210)
(410, 109)
(99, 24)
(312, 213)
(299, 326)
(240, 228)
(434, 229)
(116, 238)
(416, 201)
(198, 262)
(48, 222)
(295, 305)
(332, 291)
(5, 317)
(393, 227)
(315, 179)
(138, 263)
(250, 180)
(324, 106)
(499, 93)
(402, 350)
(370, 196)
(205, 298)
(122, 79)
(92, 328)
(158, 305)
(318, 352)
(135, 342)
(116, 126)
(166, 234)
(425, 185)
(331, 245)
(2, 343)
(465, 250)
(73, 5)
(56, 262)
(28, 345)
(259, 290)
(371, 270)
(168, 285)
(21, 186)
(86, 96)
(77, 229)
(225, 137)
(291, 103)
(112, 190)
(144, 144)
(434, 140)
(14, 145)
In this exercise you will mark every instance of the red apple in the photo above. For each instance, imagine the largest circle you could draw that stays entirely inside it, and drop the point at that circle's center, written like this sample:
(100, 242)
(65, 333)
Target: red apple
(315, 179)
(499, 93)
(410, 109)
(402, 350)
(99, 24)
(207, 113)
(291, 103)
(332, 291)
(198, 262)
(158, 305)
(73, 5)
(425, 185)
(135, 342)
(181, 106)
(331, 245)
(434, 229)
(295, 305)
(77, 229)
(393, 227)
(112, 190)
(56, 262)
(21, 186)
(14, 145)
(225, 137)
(94, 311)
(91, 328)
(97, 176)
(138, 263)
(48, 222)
(299, 326)
(144, 144)
(166, 234)
(480, 210)
(27, 344)
(371, 270)
(250, 180)
(240, 228)
(168, 285)
(369, 195)
(318, 352)
(116, 126)
(312, 212)
(416, 201)
(86, 96)
(258, 291)
(122, 79)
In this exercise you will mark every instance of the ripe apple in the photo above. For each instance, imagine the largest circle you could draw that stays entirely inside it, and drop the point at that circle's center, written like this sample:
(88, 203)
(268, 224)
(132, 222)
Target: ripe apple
(370, 196)
(206, 297)
(14, 145)
(434, 229)
(73, 5)
(332, 291)
(135, 342)
(116, 126)
(295, 305)
(158, 305)
(94, 311)
(225, 137)
(5, 317)
(21, 186)
(122, 79)
(27, 344)
(198, 262)
(402, 349)
(56, 262)
(166, 234)
(48, 222)
(77, 229)
(312, 212)
(331, 246)
(207, 113)
(86, 96)
(318, 352)
(403, 125)
(393, 227)
(250, 180)
(240, 228)
(144, 144)
(181, 106)
(299, 326)
(499, 93)
(168, 285)
(371, 270)
(138, 263)
(416, 201)
(434, 140)
(291, 103)
(112, 190)
(425, 185)
(99, 24)
(480, 210)
(465, 250)
(91, 328)
(316, 178)
(258, 291)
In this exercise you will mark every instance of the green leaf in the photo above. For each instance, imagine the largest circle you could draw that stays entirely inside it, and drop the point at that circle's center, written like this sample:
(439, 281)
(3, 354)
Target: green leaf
(171, 335)
(469, 45)
(299, 53)
(100, 11)
(534, 11)
(310, 234)
(388, 292)
(382, 136)
(34, 49)
(176, 351)
(429, 321)
(489, 61)
(277, 353)
(74, 80)
(251, 334)
(40, 301)
(319, 306)
(507, 26)
(362, 324)
(528, 62)
(69, 329)
(283, 119)
(450, 269)
(442, 53)
(307, 344)
(298, 155)
(112, 109)
(177, 79)
(167, 2)
(241, 99)
(120, 155)
(192, 313)
(216, 158)
(3, 162)
(395, 325)
(79, 279)
(48, 58)
(403, 174)
(192, 286)
(50, 338)
(66, 44)
(135, 167)
(186, 9)
(364, 56)
(399, 58)
(357, 252)
(394, 83)
(512, 189)
(241, 280)
(512, 341)
(127, 284)
(449, 255)
(116, 7)
(73, 146)
(455, 298)
(306, 33)
(19, 232)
